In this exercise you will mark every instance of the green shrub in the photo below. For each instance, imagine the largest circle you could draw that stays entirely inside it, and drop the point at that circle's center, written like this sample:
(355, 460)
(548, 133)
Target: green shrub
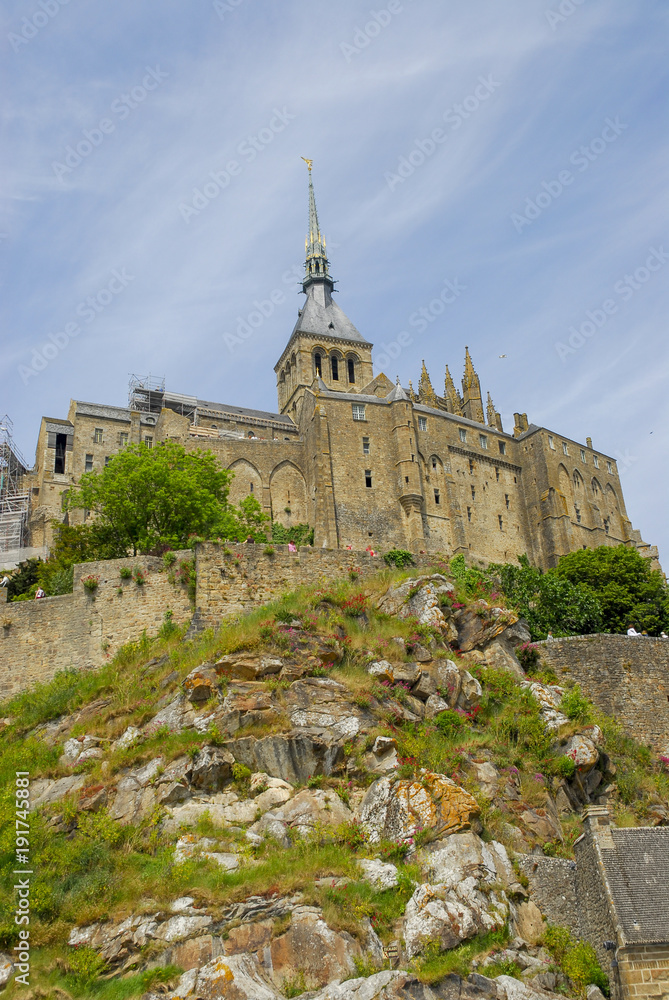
(398, 558)
(560, 767)
(300, 534)
(576, 959)
(449, 723)
(169, 558)
(575, 705)
(90, 583)
(528, 656)
(241, 773)
(125, 572)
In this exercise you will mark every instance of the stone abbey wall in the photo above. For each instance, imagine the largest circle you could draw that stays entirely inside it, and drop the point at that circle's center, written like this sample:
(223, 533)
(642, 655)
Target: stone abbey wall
(626, 676)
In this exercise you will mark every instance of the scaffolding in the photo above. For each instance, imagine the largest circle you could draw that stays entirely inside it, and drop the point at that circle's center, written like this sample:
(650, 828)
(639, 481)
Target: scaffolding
(148, 395)
(14, 500)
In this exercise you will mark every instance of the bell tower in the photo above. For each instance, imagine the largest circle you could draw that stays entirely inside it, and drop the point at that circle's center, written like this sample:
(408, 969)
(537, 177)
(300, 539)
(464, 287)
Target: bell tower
(325, 350)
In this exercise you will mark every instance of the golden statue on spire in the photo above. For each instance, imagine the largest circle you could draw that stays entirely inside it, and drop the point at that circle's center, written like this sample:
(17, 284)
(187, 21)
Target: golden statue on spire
(309, 163)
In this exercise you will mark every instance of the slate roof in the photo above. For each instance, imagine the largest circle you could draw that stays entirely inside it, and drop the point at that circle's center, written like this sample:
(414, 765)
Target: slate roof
(326, 321)
(638, 874)
(243, 411)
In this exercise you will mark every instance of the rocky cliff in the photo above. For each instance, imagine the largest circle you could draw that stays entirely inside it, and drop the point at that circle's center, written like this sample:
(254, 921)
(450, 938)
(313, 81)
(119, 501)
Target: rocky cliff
(334, 797)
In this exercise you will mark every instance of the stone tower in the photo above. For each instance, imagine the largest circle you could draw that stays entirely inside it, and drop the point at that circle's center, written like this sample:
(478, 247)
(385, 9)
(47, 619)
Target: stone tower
(325, 350)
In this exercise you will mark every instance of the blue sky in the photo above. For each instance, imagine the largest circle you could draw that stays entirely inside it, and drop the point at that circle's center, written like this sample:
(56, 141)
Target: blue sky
(540, 194)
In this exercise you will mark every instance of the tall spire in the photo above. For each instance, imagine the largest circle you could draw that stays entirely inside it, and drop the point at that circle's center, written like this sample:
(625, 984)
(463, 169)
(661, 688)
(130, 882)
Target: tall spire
(426, 393)
(316, 263)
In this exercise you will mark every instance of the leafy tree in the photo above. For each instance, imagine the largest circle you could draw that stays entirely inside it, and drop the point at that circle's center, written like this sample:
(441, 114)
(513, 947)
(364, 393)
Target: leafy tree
(548, 602)
(628, 590)
(24, 581)
(148, 499)
(74, 544)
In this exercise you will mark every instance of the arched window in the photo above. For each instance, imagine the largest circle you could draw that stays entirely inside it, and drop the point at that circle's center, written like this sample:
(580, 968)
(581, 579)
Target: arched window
(334, 365)
(318, 364)
(351, 369)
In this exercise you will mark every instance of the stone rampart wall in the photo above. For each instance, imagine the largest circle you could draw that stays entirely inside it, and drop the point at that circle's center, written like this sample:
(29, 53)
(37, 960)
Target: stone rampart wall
(233, 579)
(85, 628)
(553, 889)
(626, 676)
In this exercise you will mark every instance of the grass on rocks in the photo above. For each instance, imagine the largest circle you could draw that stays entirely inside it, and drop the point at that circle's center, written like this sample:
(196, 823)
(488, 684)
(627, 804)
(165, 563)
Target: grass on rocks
(89, 868)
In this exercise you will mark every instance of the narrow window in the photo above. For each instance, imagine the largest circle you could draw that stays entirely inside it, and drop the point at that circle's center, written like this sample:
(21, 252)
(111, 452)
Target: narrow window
(422, 423)
(578, 514)
(434, 463)
(471, 466)
(506, 500)
(473, 493)
(609, 467)
(250, 487)
(318, 364)
(469, 513)
(582, 456)
(551, 443)
(496, 474)
(406, 479)
(365, 446)
(61, 447)
(351, 370)
(368, 478)
(89, 464)
(515, 480)
(565, 449)
(606, 525)
(595, 461)
(123, 438)
(108, 459)
(463, 434)
(148, 441)
(502, 447)
(483, 441)
(334, 364)
(97, 435)
(500, 522)
(358, 411)
(437, 498)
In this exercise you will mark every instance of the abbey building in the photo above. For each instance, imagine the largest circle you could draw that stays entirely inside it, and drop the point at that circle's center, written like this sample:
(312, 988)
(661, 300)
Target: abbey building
(364, 461)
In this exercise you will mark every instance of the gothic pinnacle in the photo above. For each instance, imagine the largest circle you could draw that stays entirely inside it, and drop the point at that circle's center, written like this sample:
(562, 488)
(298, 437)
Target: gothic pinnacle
(426, 393)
